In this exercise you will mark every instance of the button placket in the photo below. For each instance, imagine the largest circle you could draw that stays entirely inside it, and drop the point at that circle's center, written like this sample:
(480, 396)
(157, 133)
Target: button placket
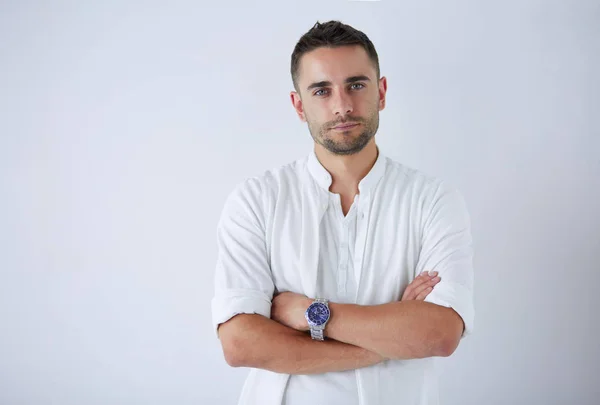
(361, 235)
(343, 259)
(360, 231)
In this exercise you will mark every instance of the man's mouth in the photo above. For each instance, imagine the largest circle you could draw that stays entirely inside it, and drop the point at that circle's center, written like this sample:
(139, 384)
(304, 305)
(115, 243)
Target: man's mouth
(347, 125)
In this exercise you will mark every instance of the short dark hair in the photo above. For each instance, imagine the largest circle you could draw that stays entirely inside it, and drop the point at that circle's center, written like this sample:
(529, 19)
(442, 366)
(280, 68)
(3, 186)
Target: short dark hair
(331, 34)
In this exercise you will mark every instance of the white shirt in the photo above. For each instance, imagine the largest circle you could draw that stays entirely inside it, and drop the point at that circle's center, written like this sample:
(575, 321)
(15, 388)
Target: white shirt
(337, 282)
(284, 231)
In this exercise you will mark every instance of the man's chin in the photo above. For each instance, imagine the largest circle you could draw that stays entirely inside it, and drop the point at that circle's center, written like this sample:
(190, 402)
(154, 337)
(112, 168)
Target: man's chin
(342, 149)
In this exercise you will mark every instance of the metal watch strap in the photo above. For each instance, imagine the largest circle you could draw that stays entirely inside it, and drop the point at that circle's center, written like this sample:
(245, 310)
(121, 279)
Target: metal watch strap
(317, 334)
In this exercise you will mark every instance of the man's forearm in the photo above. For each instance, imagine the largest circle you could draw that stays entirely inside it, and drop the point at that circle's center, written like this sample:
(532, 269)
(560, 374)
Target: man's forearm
(251, 340)
(397, 330)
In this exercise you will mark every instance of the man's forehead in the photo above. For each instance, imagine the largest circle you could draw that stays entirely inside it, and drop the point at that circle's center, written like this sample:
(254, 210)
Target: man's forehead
(335, 64)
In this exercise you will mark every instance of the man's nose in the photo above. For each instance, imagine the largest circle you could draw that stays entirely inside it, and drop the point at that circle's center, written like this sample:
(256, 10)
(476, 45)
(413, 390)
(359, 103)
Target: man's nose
(342, 104)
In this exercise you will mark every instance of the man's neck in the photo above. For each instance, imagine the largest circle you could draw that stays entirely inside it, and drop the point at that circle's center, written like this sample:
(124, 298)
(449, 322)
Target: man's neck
(347, 170)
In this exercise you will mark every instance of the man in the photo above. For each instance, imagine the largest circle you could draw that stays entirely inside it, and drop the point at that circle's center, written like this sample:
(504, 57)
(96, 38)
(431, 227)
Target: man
(322, 282)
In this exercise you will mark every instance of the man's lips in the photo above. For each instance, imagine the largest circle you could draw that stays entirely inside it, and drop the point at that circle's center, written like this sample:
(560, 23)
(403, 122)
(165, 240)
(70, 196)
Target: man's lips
(346, 125)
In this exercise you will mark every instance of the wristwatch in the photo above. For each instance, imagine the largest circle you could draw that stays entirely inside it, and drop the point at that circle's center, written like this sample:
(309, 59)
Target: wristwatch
(317, 315)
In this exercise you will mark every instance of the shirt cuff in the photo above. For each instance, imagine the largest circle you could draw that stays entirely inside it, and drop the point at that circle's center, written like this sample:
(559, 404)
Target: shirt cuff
(457, 297)
(228, 303)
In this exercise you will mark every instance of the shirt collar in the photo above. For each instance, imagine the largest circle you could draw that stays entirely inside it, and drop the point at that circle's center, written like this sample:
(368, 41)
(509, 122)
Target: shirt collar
(323, 178)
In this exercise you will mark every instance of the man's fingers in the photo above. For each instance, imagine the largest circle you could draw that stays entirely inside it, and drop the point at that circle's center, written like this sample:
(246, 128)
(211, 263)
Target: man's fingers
(429, 283)
(423, 282)
(422, 278)
(420, 282)
(424, 294)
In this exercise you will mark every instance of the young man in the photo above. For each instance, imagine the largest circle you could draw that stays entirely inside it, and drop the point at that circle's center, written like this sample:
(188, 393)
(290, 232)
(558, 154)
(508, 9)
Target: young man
(323, 283)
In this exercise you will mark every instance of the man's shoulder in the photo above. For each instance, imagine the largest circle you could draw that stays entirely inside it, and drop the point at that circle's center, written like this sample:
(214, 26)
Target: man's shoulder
(429, 191)
(271, 180)
(408, 178)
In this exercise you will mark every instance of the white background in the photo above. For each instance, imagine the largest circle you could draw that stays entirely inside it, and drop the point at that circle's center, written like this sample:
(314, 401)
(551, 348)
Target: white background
(124, 125)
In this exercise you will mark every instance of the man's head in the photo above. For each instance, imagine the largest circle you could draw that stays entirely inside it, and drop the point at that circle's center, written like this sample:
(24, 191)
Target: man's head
(336, 77)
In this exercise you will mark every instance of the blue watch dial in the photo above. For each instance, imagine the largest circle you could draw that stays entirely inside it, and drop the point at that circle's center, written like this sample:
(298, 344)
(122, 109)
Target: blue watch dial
(317, 314)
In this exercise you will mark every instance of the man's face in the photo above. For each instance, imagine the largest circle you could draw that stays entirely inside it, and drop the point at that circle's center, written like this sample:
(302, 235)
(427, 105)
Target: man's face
(337, 87)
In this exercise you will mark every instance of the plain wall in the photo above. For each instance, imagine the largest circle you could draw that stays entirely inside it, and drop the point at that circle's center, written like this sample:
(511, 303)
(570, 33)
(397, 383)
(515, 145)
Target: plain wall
(124, 125)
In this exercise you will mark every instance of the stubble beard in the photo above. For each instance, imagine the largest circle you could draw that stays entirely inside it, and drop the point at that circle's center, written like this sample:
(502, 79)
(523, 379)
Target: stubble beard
(350, 144)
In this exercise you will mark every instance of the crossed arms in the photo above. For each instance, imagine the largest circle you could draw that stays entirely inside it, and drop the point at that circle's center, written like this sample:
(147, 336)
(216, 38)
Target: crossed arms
(359, 336)
(271, 334)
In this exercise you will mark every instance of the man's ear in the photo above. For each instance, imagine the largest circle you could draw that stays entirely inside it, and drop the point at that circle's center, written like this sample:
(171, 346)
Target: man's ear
(297, 103)
(382, 92)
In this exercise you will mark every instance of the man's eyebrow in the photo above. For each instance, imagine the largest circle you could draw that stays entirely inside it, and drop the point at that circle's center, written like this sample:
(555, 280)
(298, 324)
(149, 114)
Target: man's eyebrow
(351, 79)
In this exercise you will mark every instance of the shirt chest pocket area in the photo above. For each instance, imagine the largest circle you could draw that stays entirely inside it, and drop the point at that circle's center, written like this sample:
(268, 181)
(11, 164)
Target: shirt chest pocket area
(391, 257)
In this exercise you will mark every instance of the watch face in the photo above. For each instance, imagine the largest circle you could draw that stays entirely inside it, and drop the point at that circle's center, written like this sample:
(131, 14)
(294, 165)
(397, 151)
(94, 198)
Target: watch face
(317, 314)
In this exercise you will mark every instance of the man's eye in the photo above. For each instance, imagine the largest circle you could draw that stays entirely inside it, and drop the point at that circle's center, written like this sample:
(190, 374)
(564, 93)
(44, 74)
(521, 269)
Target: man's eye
(320, 92)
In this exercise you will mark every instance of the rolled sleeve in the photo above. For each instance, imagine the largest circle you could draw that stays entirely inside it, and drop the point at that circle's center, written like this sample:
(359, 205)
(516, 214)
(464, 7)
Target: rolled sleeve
(447, 247)
(243, 279)
(228, 303)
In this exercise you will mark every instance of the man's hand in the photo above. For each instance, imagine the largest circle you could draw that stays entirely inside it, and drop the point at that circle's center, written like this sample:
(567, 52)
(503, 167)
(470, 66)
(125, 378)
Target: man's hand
(288, 309)
(421, 286)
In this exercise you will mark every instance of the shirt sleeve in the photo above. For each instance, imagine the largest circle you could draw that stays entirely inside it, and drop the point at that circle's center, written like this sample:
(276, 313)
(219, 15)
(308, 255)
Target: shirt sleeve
(447, 248)
(243, 280)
